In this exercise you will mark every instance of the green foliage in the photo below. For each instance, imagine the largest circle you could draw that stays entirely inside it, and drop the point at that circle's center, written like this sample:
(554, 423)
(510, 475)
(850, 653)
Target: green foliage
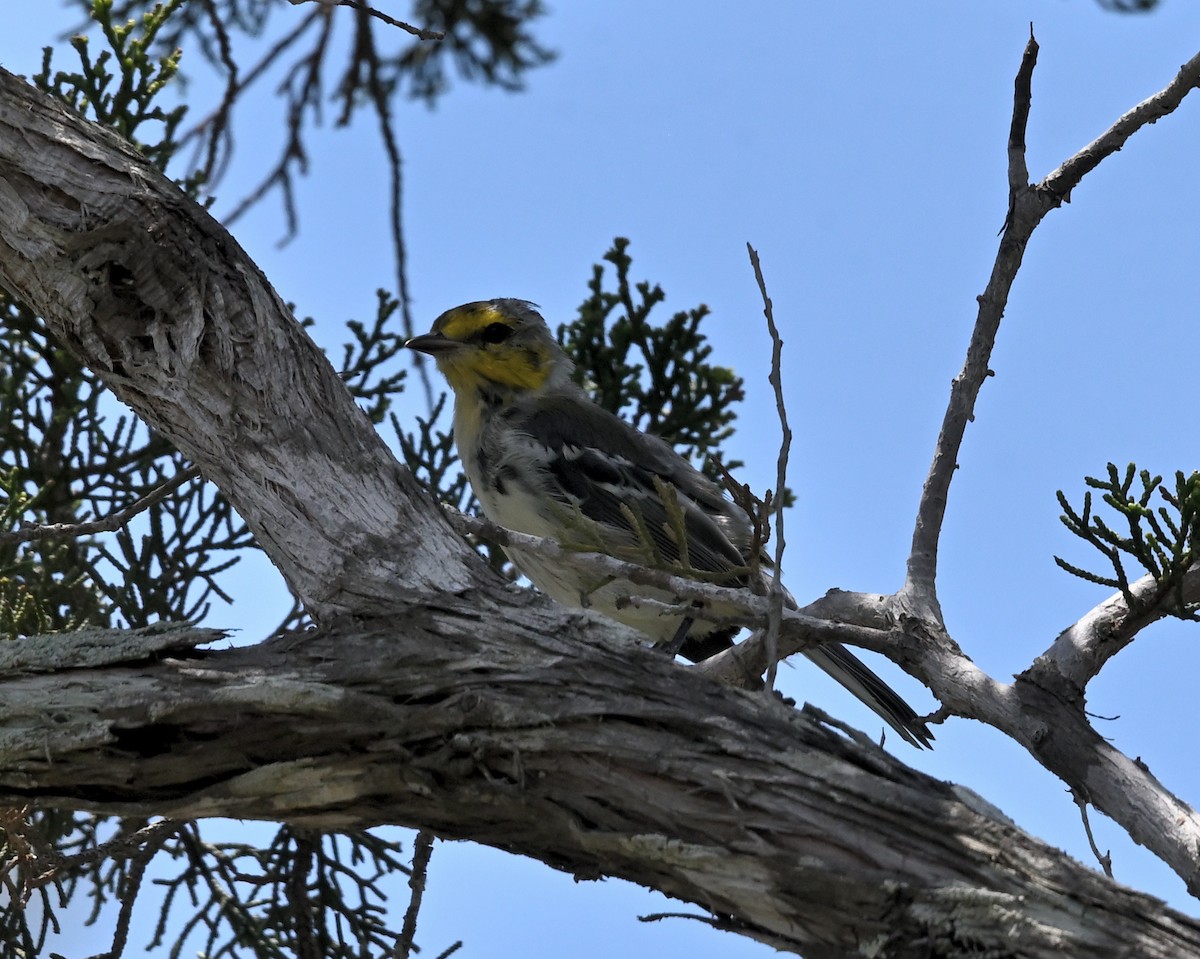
(126, 99)
(1162, 541)
(367, 358)
(656, 375)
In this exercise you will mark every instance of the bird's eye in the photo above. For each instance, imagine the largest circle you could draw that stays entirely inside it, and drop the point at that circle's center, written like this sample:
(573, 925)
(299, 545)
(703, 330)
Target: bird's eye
(496, 333)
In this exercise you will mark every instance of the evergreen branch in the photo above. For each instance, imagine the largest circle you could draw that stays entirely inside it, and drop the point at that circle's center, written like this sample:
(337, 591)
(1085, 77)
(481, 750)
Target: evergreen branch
(1163, 542)
(108, 524)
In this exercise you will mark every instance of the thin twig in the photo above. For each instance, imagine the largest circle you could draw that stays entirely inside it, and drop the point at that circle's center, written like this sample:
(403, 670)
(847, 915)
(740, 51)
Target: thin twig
(1062, 181)
(921, 577)
(1105, 859)
(785, 445)
(379, 92)
(220, 127)
(422, 851)
(108, 524)
(417, 32)
(219, 119)
(660, 916)
(825, 719)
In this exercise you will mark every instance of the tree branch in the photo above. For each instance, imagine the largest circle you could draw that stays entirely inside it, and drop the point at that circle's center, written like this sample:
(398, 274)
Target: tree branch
(647, 771)
(1080, 651)
(1027, 206)
(785, 446)
(920, 584)
(1062, 181)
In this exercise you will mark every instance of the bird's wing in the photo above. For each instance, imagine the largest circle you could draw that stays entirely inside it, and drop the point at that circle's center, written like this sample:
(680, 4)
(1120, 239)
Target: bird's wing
(618, 479)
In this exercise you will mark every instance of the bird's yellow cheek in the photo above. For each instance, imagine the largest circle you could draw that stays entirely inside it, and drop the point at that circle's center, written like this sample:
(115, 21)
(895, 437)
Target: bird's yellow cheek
(516, 369)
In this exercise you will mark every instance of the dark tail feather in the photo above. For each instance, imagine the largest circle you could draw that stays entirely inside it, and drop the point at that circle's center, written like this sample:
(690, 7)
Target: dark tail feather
(854, 674)
(847, 669)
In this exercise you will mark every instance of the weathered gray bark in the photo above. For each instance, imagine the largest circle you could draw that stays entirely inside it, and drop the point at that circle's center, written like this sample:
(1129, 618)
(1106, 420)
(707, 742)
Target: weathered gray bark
(535, 736)
(434, 694)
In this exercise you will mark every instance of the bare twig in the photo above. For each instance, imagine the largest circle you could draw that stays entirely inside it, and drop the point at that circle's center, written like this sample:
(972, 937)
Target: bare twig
(920, 581)
(219, 133)
(303, 87)
(785, 445)
(1105, 859)
(713, 921)
(825, 719)
(417, 32)
(422, 851)
(1062, 181)
(108, 524)
(214, 128)
(1018, 169)
(379, 92)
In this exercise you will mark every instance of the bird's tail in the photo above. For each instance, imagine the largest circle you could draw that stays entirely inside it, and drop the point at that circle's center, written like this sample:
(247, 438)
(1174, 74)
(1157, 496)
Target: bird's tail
(857, 677)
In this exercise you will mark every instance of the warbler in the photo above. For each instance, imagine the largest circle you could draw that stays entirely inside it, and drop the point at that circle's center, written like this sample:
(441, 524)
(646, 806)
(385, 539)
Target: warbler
(544, 459)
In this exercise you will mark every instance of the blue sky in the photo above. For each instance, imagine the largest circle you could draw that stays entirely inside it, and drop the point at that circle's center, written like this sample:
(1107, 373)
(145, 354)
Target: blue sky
(861, 149)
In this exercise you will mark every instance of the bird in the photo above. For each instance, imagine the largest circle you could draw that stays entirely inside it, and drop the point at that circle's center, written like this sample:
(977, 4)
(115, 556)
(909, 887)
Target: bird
(543, 458)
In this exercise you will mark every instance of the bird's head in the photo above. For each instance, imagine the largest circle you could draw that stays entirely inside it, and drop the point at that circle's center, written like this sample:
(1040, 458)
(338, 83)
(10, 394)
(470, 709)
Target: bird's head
(494, 345)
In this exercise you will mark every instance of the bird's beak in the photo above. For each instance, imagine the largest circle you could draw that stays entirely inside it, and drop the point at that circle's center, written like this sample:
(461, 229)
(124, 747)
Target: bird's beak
(435, 344)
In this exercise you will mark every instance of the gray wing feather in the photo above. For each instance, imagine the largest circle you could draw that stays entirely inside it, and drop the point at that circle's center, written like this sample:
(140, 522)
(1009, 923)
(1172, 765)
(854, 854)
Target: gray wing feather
(618, 457)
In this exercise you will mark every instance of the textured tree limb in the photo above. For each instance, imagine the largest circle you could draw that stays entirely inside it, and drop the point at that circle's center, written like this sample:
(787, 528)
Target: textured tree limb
(154, 295)
(542, 736)
(1080, 651)
(465, 705)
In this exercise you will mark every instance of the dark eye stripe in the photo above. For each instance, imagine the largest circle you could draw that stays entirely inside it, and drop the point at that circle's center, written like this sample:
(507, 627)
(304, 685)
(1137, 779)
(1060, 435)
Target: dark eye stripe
(496, 333)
